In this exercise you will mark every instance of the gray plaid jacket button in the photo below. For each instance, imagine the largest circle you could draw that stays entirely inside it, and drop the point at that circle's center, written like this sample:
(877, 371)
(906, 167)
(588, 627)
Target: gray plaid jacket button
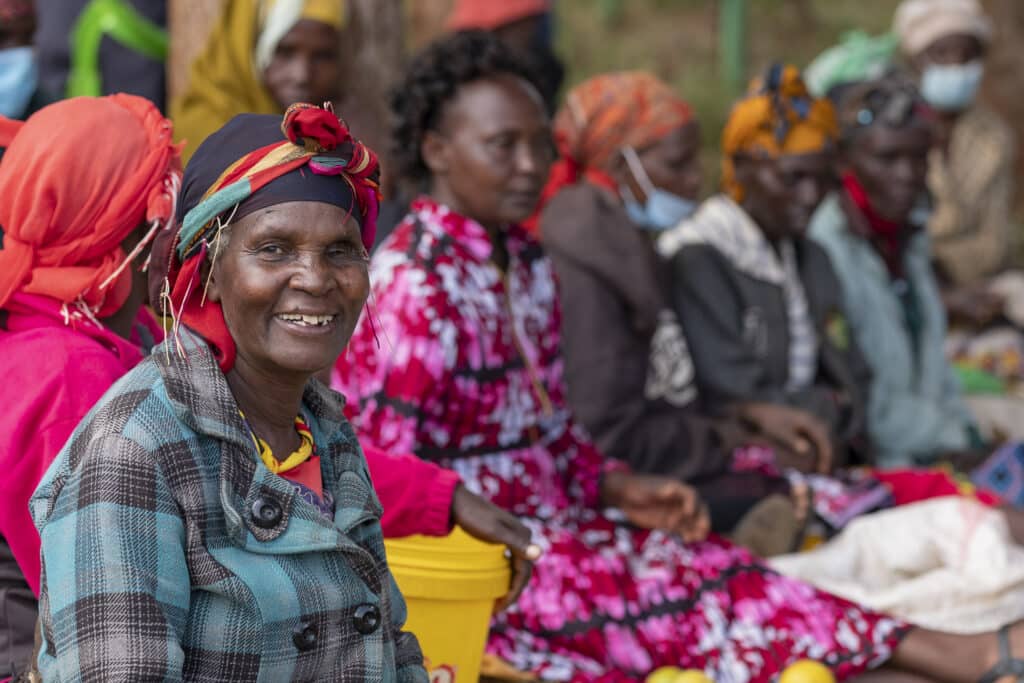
(266, 513)
(305, 636)
(366, 619)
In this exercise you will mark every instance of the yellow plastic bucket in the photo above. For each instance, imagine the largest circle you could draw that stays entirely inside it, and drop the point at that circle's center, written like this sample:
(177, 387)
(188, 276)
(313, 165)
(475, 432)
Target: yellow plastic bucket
(450, 585)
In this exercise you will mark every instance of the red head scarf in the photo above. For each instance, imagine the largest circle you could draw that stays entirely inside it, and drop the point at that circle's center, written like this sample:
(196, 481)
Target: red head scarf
(76, 179)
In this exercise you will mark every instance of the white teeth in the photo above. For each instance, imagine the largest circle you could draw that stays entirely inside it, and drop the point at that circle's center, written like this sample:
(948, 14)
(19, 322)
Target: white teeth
(301, 319)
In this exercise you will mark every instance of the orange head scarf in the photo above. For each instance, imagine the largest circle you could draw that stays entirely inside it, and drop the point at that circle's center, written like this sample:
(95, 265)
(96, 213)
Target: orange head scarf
(778, 116)
(77, 177)
(600, 117)
(615, 110)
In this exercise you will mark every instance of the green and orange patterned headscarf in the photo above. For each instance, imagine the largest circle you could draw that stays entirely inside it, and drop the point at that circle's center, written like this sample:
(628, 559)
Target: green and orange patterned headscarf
(253, 162)
(600, 117)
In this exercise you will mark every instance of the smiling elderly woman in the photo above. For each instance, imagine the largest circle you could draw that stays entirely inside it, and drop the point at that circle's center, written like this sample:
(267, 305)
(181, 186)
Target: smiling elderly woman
(213, 519)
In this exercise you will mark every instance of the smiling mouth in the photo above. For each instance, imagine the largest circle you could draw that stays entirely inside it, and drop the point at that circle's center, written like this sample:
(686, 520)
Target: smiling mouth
(307, 320)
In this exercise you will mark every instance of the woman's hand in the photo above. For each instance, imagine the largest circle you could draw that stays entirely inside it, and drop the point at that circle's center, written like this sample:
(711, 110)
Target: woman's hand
(661, 503)
(805, 442)
(483, 520)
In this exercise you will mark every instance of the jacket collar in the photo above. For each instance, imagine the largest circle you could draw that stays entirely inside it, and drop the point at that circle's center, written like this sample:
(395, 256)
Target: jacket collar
(202, 400)
(721, 223)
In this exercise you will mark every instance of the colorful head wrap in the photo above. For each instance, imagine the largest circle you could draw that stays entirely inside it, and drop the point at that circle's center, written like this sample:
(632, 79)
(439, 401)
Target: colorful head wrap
(615, 110)
(600, 117)
(488, 15)
(919, 23)
(77, 178)
(778, 116)
(256, 161)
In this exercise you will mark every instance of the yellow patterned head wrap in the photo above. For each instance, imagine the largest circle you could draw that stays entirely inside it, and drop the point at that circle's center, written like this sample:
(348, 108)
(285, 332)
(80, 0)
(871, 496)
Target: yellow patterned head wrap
(777, 116)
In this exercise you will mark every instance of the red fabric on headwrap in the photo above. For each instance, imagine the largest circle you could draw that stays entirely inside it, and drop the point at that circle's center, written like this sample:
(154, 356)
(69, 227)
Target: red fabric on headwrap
(488, 15)
(316, 139)
(8, 129)
(304, 123)
(76, 179)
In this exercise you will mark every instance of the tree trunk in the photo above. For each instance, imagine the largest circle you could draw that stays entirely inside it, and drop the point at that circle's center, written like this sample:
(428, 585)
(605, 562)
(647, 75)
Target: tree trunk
(374, 49)
(189, 23)
(426, 20)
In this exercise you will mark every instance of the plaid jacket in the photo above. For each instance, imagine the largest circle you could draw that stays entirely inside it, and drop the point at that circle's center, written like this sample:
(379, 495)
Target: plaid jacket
(171, 553)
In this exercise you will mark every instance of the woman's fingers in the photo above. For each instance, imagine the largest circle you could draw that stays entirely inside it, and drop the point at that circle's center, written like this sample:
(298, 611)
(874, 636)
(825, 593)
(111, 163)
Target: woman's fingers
(522, 569)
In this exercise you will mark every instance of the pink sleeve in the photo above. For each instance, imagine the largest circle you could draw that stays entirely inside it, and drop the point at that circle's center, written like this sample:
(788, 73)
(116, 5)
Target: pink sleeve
(56, 408)
(416, 495)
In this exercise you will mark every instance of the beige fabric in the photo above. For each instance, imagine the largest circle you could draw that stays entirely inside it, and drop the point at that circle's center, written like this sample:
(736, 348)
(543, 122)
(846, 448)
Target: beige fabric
(919, 23)
(973, 235)
(947, 564)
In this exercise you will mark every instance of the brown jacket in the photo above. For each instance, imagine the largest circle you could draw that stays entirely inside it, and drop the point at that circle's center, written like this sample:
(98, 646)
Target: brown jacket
(629, 372)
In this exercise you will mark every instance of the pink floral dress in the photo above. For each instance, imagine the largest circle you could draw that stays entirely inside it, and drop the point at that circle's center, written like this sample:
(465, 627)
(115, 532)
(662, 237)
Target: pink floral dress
(461, 365)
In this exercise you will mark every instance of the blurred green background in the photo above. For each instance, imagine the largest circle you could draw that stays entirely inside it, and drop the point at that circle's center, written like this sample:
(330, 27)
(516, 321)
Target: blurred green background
(679, 41)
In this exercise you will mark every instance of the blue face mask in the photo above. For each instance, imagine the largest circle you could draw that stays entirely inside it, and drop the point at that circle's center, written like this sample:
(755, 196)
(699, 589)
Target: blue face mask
(19, 77)
(663, 210)
(951, 87)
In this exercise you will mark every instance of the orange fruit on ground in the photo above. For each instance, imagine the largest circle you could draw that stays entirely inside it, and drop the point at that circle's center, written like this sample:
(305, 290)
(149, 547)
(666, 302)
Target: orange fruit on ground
(673, 674)
(806, 671)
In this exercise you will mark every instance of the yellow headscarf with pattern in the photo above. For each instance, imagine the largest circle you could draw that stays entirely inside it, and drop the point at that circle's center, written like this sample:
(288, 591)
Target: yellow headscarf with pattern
(777, 116)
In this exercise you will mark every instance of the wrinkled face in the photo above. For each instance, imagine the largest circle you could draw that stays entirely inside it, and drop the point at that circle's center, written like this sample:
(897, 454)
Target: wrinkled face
(892, 165)
(672, 164)
(292, 280)
(957, 48)
(781, 194)
(306, 66)
(490, 155)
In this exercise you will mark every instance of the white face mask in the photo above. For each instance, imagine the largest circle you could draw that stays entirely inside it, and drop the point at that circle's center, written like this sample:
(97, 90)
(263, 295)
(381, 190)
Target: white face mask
(951, 87)
(663, 210)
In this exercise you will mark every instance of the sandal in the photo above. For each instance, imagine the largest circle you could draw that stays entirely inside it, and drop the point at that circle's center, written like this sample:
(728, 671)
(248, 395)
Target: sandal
(1007, 665)
(770, 528)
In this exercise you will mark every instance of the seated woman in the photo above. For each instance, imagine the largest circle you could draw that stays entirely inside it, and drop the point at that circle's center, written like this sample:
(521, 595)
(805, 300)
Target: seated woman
(971, 160)
(468, 372)
(67, 339)
(759, 302)
(634, 392)
(222, 468)
(874, 231)
(259, 58)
